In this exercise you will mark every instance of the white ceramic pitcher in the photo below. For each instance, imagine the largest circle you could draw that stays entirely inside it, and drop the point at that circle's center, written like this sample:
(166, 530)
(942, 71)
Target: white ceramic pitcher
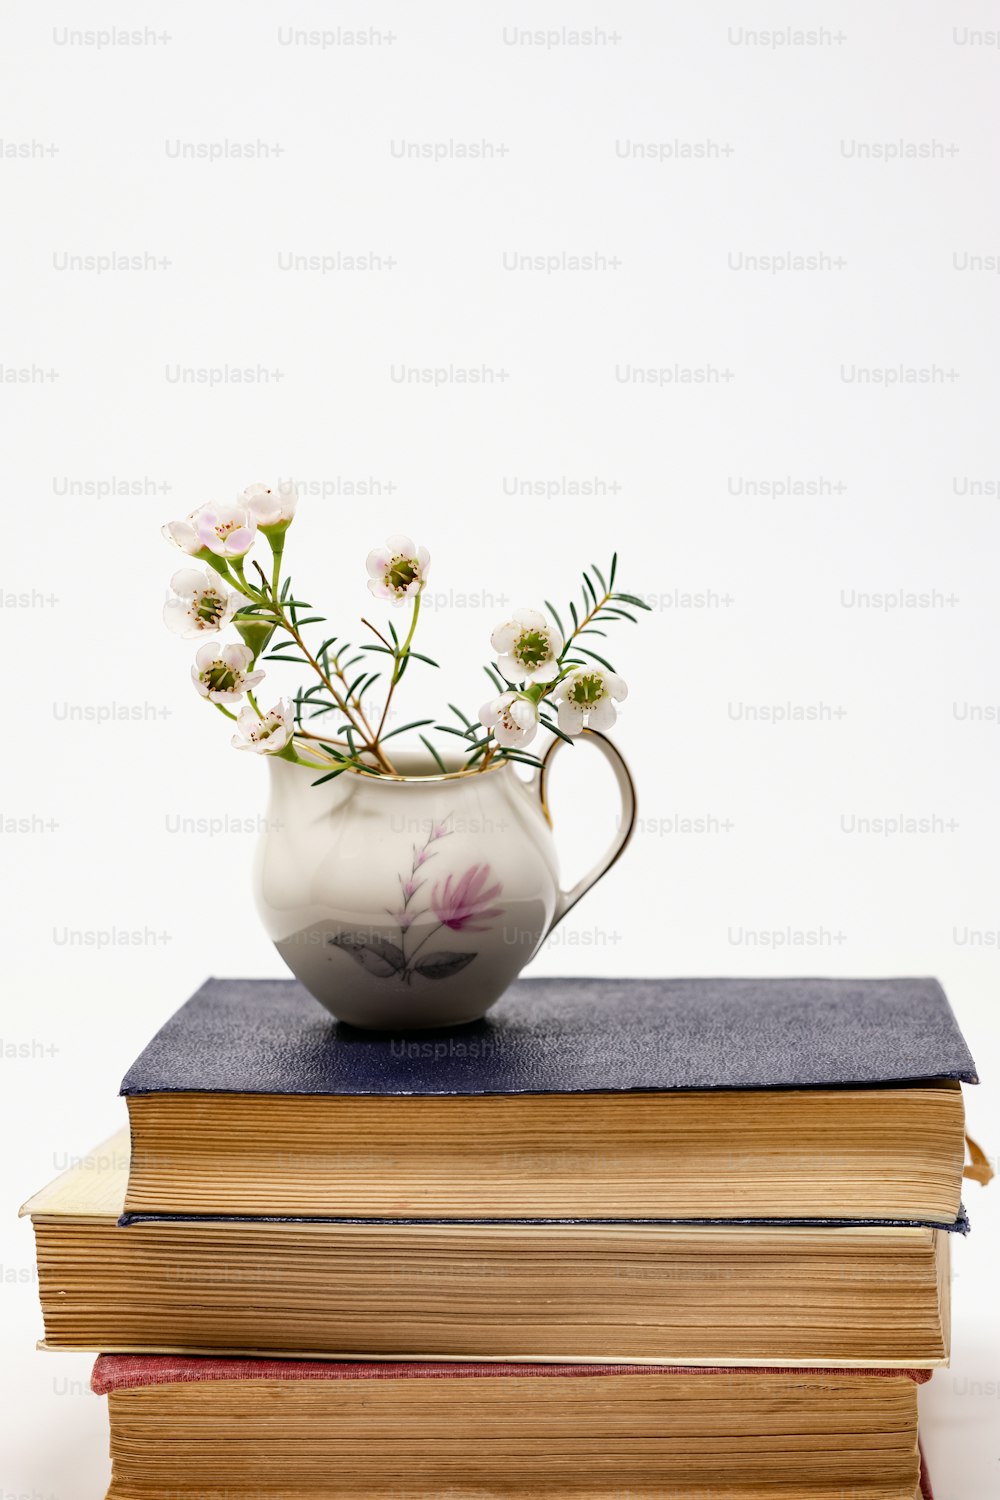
(415, 900)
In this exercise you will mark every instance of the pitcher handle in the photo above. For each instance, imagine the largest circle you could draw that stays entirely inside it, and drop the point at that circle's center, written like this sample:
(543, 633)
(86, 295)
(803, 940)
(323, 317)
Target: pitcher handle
(566, 900)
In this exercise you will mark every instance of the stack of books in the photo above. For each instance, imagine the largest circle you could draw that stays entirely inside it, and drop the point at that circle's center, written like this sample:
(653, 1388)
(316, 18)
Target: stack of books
(684, 1238)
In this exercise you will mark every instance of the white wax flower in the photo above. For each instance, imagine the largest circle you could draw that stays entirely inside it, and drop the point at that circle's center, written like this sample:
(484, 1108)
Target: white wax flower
(512, 718)
(225, 530)
(222, 673)
(202, 605)
(527, 647)
(267, 735)
(398, 571)
(585, 699)
(273, 506)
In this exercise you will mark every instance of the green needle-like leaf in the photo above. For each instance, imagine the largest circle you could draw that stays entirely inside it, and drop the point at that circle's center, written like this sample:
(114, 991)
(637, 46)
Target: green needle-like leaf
(522, 756)
(443, 768)
(590, 587)
(416, 724)
(555, 615)
(463, 734)
(594, 657)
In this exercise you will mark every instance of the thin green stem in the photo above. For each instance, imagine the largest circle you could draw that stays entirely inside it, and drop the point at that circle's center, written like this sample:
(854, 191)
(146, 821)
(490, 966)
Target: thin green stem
(277, 544)
(405, 647)
(283, 620)
(400, 657)
(363, 728)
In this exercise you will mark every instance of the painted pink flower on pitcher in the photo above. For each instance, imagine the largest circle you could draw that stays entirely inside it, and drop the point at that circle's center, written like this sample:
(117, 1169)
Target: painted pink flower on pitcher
(462, 905)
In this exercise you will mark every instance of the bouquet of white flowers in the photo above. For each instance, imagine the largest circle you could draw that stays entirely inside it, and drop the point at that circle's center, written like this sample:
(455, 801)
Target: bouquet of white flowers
(543, 674)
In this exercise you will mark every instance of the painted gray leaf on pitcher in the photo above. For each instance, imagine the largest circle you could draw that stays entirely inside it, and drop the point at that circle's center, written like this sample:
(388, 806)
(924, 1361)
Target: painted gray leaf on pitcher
(375, 954)
(441, 965)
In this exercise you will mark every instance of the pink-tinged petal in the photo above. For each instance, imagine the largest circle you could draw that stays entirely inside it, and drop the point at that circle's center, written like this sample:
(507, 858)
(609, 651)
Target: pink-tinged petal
(378, 561)
(251, 681)
(204, 656)
(196, 679)
(424, 559)
(239, 541)
(400, 545)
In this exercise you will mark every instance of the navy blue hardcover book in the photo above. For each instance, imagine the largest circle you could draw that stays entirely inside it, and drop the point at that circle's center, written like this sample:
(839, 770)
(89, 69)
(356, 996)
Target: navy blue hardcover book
(643, 1099)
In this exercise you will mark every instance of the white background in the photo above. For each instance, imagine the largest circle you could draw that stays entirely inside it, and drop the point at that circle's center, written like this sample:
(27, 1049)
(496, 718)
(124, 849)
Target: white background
(889, 713)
